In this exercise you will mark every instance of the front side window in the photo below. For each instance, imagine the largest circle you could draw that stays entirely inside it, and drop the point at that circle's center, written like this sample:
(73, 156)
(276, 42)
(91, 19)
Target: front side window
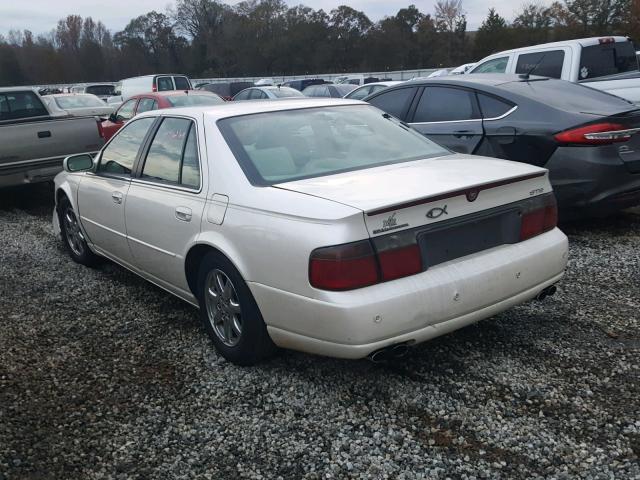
(359, 93)
(276, 147)
(496, 65)
(14, 105)
(164, 84)
(125, 112)
(244, 95)
(181, 83)
(147, 104)
(545, 64)
(257, 94)
(173, 154)
(118, 157)
(443, 104)
(394, 102)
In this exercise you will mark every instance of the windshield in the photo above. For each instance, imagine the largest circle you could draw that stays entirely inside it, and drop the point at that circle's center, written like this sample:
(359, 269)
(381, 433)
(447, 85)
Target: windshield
(78, 101)
(607, 59)
(276, 147)
(101, 90)
(286, 92)
(193, 100)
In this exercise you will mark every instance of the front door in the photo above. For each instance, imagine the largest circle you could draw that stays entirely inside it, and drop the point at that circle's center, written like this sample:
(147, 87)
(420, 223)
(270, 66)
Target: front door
(166, 202)
(102, 195)
(450, 117)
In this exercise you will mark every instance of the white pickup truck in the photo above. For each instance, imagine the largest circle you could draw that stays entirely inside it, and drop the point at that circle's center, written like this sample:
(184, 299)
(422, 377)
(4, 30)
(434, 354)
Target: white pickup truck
(604, 63)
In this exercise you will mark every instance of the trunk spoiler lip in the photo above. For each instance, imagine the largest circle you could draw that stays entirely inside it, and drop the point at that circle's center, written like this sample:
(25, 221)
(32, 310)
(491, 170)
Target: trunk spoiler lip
(468, 191)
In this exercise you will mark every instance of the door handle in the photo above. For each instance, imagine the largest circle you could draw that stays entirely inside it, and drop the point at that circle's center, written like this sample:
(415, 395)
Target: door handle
(44, 134)
(463, 133)
(183, 213)
(117, 197)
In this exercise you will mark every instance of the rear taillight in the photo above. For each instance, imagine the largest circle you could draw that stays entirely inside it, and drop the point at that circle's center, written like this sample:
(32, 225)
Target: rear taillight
(344, 267)
(541, 218)
(154, 88)
(359, 264)
(596, 134)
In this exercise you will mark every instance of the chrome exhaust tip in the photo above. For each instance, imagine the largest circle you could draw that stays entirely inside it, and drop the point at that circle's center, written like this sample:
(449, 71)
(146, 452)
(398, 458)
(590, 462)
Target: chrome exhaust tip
(390, 352)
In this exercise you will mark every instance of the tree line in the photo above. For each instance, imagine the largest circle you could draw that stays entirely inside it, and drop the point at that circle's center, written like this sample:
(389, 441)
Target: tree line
(208, 38)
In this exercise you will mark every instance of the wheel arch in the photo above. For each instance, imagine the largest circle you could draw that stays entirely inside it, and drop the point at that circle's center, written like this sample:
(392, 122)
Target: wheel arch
(194, 257)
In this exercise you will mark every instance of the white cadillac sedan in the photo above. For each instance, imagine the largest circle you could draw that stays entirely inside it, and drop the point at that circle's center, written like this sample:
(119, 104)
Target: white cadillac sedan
(325, 226)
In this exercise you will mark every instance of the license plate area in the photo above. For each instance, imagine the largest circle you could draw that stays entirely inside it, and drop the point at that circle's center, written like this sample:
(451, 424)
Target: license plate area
(471, 235)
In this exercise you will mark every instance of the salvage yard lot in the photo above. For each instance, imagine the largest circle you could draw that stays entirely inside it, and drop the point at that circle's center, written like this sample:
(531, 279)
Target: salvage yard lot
(103, 375)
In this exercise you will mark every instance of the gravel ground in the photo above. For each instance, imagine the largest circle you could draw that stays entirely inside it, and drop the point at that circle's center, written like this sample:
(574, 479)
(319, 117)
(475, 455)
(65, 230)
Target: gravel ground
(102, 375)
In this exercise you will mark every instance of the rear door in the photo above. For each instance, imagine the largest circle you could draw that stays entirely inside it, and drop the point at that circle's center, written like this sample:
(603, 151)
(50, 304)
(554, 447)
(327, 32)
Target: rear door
(165, 202)
(449, 116)
(102, 195)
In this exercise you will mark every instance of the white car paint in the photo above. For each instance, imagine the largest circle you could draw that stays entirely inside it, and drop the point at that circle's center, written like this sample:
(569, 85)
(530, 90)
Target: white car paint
(620, 85)
(268, 233)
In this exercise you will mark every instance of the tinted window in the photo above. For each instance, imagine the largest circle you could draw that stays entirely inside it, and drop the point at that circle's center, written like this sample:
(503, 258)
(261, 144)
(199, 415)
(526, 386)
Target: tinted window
(442, 104)
(163, 160)
(181, 83)
(101, 90)
(545, 64)
(607, 59)
(192, 100)
(147, 104)
(394, 102)
(15, 105)
(496, 65)
(190, 174)
(492, 107)
(125, 112)
(164, 84)
(275, 147)
(119, 155)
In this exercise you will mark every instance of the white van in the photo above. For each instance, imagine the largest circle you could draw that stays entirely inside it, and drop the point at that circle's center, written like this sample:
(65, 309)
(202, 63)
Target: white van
(153, 83)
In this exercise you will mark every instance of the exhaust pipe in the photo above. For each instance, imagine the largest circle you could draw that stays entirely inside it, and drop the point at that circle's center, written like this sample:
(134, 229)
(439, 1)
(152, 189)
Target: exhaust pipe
(390, 352)
(546, 292)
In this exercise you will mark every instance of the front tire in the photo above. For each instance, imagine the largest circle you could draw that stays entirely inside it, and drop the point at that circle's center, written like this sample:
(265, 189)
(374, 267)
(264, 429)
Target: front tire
(73, 237)
(229, 313)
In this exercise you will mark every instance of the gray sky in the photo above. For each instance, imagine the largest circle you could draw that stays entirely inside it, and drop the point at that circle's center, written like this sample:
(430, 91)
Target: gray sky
(40, 16)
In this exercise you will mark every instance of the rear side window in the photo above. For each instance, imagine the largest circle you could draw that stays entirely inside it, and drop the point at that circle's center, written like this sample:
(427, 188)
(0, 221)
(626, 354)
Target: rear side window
(443, 104)
(545, 64)
(118, 157)
(394, 102)
(495, 65)
(492, 107)
(164, 84)
(147, 104)
(16, 105)
(165, 159)
(182, 83)
(607, 59)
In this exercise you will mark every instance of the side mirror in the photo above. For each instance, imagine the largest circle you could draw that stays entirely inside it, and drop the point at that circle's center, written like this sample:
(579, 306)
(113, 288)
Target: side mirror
(78, 163)
(112, 117)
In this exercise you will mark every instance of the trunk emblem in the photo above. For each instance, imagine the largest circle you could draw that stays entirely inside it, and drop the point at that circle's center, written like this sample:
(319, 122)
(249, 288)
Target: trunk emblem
(437, 212)
(472, 194)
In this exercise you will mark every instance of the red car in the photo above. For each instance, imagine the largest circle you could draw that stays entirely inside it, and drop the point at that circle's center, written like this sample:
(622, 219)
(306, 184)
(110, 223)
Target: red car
(153, 101)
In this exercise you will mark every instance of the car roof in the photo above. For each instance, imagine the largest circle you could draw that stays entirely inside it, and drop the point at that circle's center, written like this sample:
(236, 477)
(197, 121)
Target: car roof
(174, 93)
(488, 79)
(234, 109)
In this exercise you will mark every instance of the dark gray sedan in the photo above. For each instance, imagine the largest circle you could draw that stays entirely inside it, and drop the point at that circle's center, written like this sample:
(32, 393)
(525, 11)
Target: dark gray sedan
(586, 138)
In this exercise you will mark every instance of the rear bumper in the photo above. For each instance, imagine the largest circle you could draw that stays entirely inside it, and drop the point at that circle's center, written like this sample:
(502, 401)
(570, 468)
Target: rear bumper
(593, 181)
(417, 308)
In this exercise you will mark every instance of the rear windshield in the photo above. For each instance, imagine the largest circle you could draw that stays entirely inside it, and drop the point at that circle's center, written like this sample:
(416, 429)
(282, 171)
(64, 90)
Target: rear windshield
(607, 59)
(193, 100)
(286, 92)
(101, 90)
(276, 147)
(16, 105)
(78, 101)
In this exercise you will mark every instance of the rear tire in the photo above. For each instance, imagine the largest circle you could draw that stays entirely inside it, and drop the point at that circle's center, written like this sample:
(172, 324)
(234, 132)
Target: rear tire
(73, 237)
(229, 313)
